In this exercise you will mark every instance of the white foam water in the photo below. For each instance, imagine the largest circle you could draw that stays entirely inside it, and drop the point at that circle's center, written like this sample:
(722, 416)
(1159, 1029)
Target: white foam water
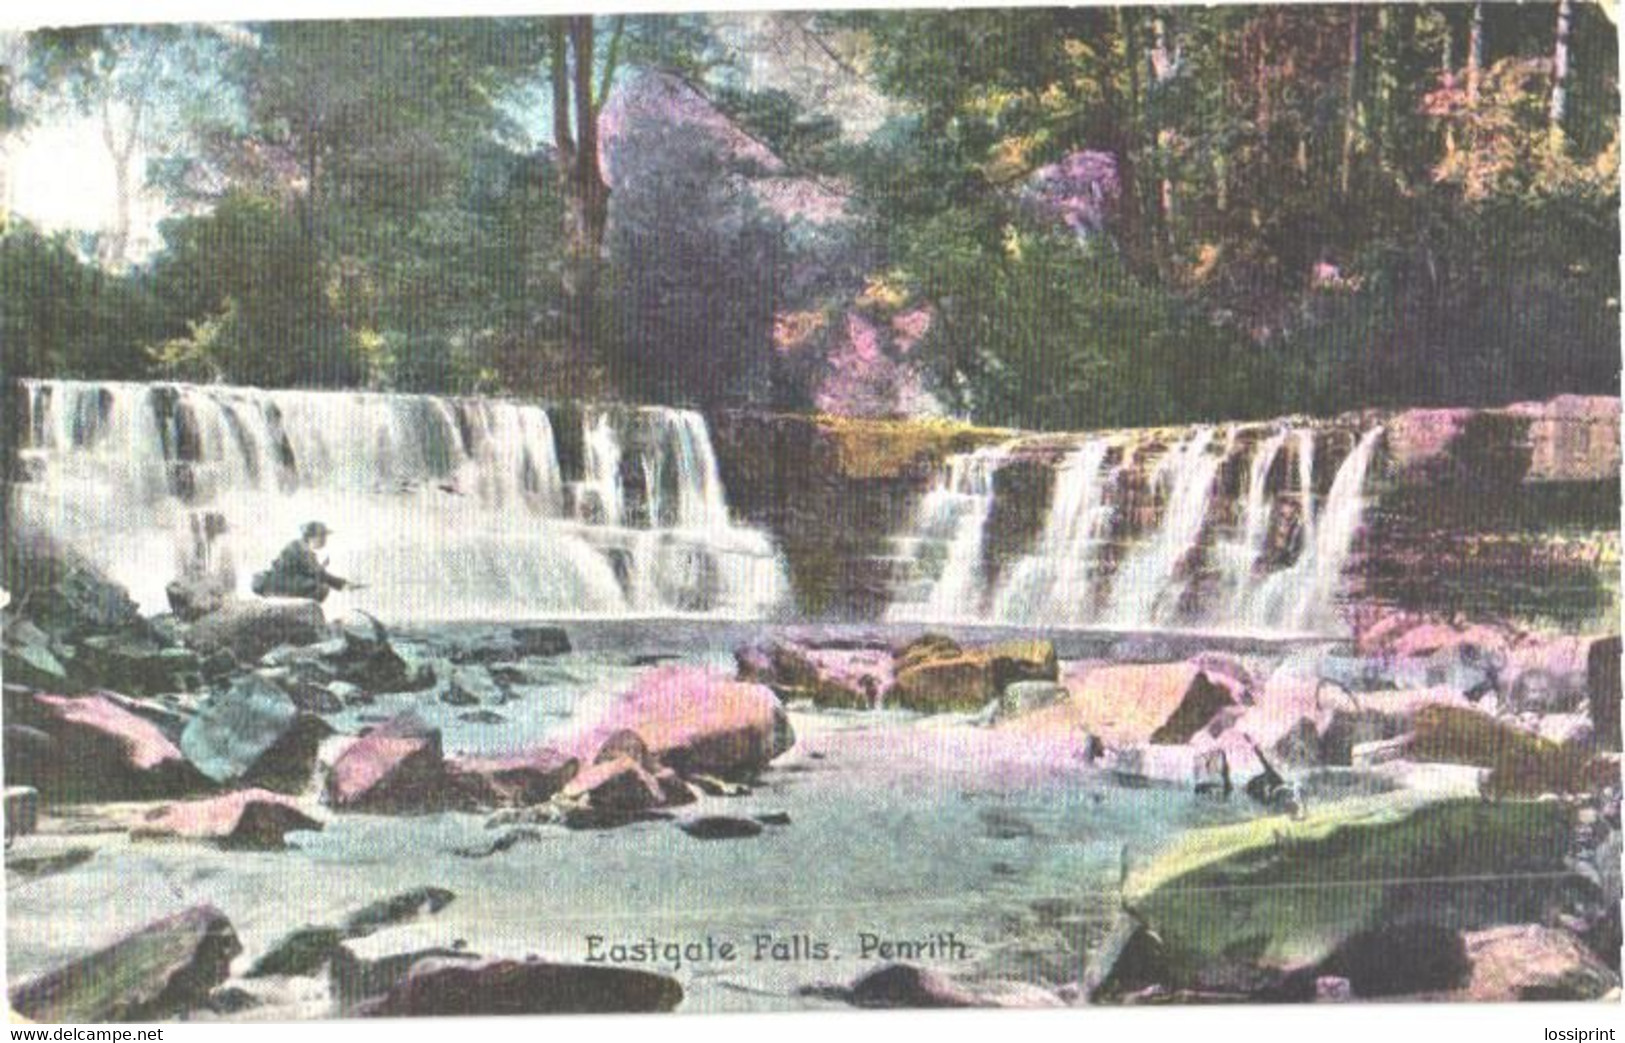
(445, 508)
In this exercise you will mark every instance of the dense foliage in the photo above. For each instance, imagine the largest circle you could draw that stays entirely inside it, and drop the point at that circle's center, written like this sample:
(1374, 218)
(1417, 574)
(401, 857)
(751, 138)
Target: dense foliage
(1046, 217)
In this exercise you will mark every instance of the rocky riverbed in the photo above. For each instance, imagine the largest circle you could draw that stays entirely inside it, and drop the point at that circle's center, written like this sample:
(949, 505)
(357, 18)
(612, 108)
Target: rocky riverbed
(263, 813)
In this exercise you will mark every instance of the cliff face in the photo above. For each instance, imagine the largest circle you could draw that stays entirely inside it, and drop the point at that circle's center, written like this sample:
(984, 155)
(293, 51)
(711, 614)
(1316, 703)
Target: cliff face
(834, 492)
(1511, 513)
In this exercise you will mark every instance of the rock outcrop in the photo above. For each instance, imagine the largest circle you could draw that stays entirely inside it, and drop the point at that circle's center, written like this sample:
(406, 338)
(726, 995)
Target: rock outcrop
(164, 969)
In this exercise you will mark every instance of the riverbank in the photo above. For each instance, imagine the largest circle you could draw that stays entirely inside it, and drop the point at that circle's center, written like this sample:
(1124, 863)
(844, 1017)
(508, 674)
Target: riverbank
(1027, 822)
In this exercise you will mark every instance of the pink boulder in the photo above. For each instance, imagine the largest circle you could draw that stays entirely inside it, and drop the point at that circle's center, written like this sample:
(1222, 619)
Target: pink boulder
(619, 786)
(1124, 706)
(694, 720)
(514, 779)
(397, 767)
(90, 748)
(253, 818)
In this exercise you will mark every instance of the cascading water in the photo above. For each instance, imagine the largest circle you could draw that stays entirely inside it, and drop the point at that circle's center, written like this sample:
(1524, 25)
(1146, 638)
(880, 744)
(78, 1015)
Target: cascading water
(1238, 559)
(1303, 596)
(445, 508)
(1148, 585)
(1057, 582)
(944, 548)
(1203, 561)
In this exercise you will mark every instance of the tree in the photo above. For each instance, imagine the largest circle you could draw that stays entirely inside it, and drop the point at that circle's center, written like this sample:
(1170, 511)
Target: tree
(572, 58)
(144, 85)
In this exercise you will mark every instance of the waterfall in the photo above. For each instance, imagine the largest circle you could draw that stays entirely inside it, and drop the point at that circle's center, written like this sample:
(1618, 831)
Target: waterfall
(445, 508)
(1205, 560)
(1310, 585)
(944, 547)
(1238, 559)
(1148, 586)
(1056, 582)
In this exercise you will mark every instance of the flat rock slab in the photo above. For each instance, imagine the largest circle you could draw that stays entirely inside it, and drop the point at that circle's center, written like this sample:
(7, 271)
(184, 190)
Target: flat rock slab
(1124, 706)
(255, 819)
(720, 827)
(249, 628)
(163, 969)
(514, 780)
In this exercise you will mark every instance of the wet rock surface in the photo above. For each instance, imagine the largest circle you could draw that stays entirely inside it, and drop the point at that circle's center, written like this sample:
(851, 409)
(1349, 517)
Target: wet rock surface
(164, 969)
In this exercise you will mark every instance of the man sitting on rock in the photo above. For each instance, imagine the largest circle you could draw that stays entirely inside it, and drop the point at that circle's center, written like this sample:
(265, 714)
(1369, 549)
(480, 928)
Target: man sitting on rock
(297, 572)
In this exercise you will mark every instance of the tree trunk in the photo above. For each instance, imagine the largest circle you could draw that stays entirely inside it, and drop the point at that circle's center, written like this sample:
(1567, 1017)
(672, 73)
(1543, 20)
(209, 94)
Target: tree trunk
(1350, 102)
(1164, 60)
(1475, 53)
(586, 193)
(1560, 71)
(117, 250)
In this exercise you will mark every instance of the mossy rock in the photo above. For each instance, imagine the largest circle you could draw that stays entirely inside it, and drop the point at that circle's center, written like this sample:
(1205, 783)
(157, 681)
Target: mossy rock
(304, 952)
(868, 449)
(1236, 906)
(1520, 764)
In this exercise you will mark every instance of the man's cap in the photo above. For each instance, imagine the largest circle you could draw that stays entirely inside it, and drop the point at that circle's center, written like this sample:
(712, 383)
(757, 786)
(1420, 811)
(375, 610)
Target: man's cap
(315, 528)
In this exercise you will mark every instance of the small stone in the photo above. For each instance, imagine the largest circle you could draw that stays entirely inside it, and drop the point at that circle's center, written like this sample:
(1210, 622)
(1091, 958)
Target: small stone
(22, 810)
(1332, 989)
(720, 827)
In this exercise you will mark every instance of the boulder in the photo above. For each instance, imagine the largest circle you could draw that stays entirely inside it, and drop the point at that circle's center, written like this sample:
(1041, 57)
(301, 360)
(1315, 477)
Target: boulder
(353, 977)
(542, 641)
(515, 779)
(720, 827)
(614, 790)
(90, 748)
(138, 663)
(906, 985)
(1530, 962)
(399, 908)
(35, 666)
(300, 953)
(254, 734)
(22, 811)
(249, 628)
(1133, 705)
(935, 674)
(193, 597)
(694, 720)
(472, 686)
(1520, 764)
(1026, 696)
(843, 678)
(1603, 692)
(925, 647)
(396, 767)
(1025, 660)
(1400, 959)
(366, 659)
(962, 683)
(254, 819)
(71, 599)
(158, 972)
(1296, 891)
(441, 987)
